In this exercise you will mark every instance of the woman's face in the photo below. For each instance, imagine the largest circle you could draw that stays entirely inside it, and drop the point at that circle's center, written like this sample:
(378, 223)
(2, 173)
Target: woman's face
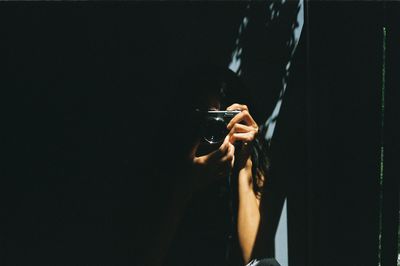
(213, 103)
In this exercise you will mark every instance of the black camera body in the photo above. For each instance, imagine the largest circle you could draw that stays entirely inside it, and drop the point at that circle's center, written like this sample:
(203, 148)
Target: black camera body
(215, 123)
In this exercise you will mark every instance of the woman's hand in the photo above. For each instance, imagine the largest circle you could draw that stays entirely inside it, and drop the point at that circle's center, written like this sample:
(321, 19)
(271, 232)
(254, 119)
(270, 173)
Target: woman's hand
(214, 165)
(219, 163)
(242, 127)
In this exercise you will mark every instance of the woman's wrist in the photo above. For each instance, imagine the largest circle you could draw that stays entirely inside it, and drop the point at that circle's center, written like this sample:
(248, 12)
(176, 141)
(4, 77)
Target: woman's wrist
(248, 165)
(245, 176)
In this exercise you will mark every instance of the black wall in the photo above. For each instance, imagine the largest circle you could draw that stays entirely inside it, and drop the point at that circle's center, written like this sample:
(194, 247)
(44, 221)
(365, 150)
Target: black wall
(343, 101)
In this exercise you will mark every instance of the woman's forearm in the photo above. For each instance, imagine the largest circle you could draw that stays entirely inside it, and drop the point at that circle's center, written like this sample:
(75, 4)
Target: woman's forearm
(248, 212)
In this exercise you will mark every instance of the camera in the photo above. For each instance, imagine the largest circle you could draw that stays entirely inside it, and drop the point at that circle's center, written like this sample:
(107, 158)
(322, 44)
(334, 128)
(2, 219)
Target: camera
(214, 126)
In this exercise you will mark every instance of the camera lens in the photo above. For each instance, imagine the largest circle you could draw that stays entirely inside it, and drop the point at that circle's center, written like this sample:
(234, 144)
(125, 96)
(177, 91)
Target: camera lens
(215, 130)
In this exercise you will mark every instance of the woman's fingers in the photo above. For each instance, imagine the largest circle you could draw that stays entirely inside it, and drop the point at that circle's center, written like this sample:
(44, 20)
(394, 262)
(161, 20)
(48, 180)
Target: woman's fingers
(246, 137)
(224, 146)
(229, 159)
(230, 154)
(236, 106)
(220, 152)
(242, 116)
(240, 128)
(238, 131)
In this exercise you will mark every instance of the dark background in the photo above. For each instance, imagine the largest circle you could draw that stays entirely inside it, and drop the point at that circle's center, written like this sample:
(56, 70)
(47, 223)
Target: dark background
(85, 87)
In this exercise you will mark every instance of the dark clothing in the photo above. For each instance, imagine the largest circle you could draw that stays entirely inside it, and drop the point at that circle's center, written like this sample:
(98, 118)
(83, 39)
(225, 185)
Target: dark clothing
(202, 236)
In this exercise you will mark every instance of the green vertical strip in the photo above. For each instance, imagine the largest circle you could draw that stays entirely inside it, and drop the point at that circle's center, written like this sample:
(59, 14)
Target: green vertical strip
(382, 145)
(383, 105)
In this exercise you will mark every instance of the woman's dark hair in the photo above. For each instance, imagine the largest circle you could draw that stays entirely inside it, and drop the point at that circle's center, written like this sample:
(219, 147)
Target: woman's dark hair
(198, 84)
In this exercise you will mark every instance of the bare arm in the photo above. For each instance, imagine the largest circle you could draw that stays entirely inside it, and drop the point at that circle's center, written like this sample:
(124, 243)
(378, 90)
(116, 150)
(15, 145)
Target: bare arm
(243, 128)
(248, 220)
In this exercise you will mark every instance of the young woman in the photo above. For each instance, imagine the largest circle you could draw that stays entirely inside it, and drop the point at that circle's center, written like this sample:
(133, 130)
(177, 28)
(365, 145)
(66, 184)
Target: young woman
(214, 215)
